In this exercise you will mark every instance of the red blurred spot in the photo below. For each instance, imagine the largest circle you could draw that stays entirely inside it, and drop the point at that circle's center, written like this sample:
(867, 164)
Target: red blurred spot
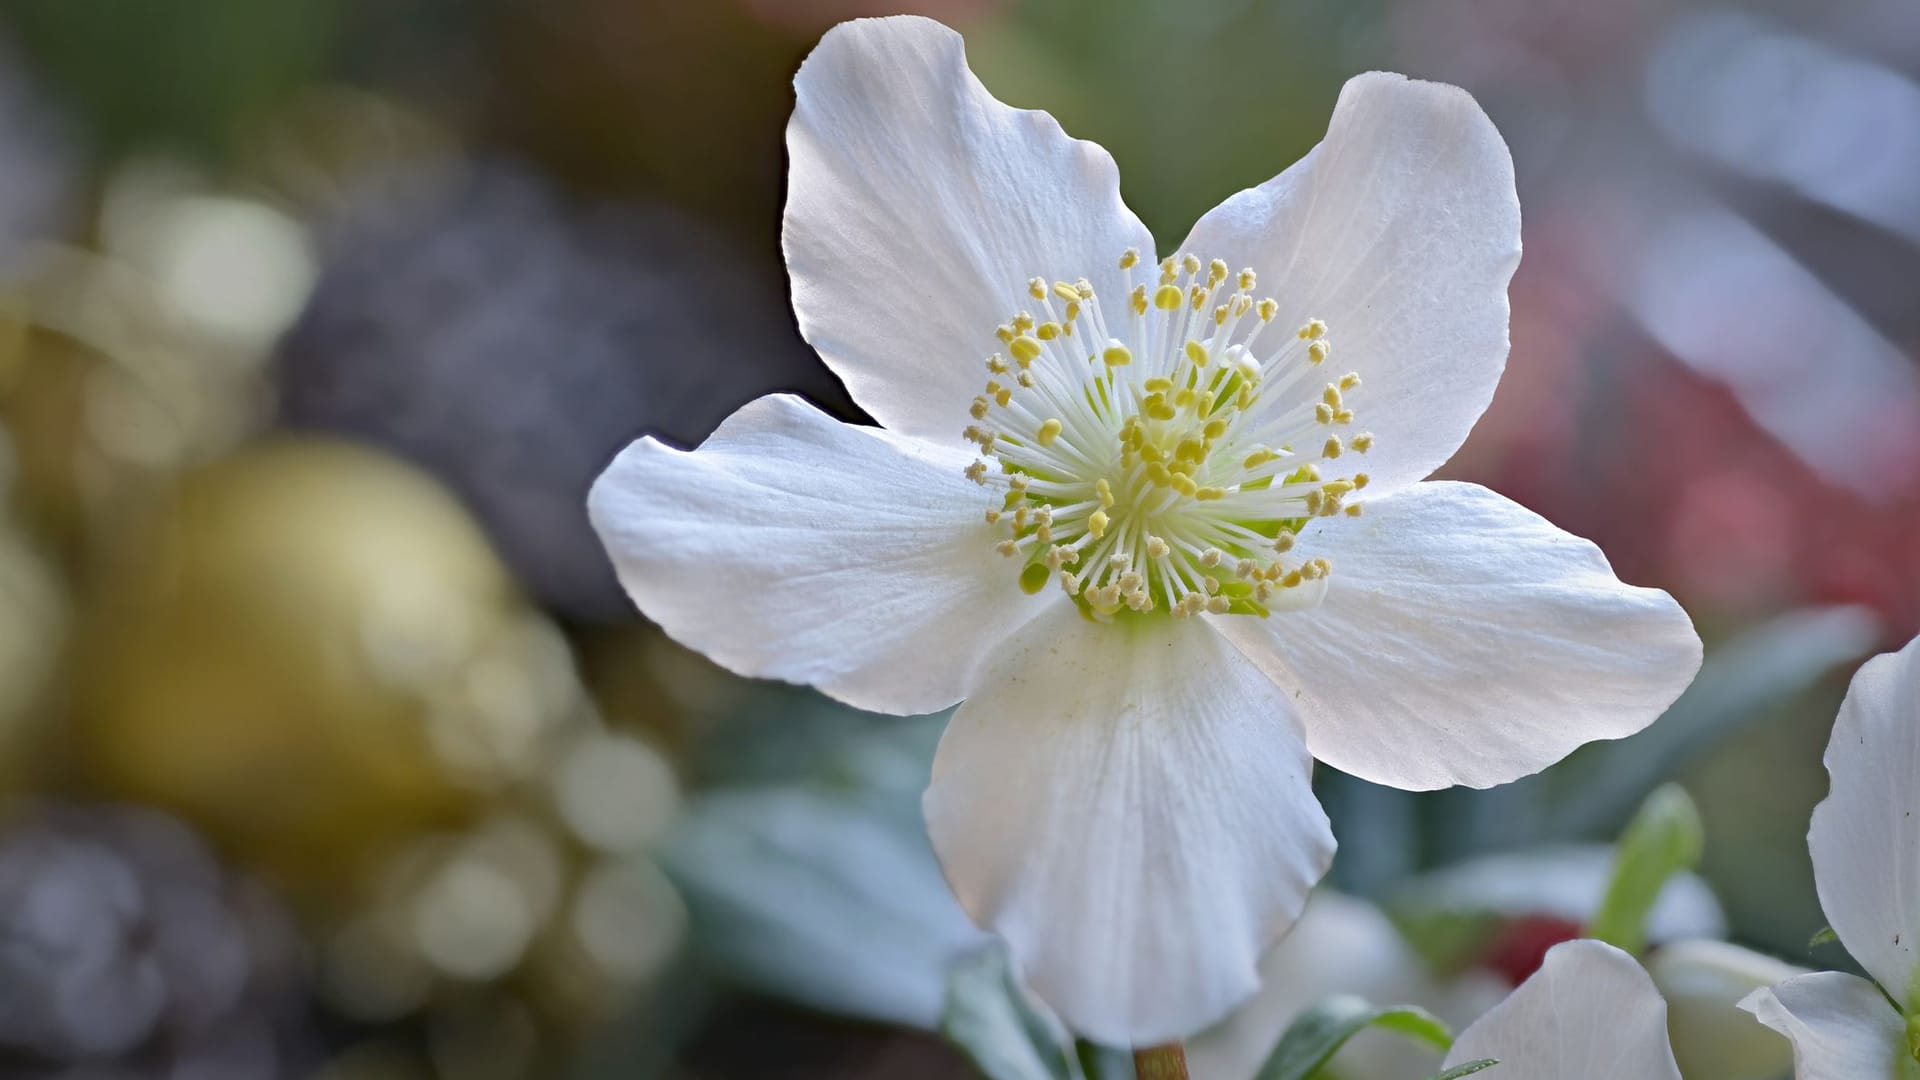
(1520, 946)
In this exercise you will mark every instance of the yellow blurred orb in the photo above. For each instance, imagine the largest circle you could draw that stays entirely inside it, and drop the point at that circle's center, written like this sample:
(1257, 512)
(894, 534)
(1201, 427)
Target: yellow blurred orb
(311, 650)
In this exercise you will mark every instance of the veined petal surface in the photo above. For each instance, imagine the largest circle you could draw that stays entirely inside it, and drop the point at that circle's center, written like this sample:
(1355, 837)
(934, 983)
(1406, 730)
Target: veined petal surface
(1401, 231)
(1590, 1013)
(1464, 639)
(1131, 808)
(918, 207)
(792, 546)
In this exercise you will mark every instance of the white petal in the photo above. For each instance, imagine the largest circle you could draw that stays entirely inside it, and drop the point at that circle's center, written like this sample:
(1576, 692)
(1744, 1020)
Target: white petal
(1704, 983)
(1341, 945)
(1466, 640)
(1865, 836)
(917, 209)
(792, 546)
(1130, 806)
(1840, 1026)
(1589, 1013)
(1400, 230)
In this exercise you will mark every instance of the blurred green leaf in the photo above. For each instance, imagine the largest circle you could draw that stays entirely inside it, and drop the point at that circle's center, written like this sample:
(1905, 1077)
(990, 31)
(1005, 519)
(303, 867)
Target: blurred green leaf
(1467, 1068)
(1322, 1030)
(1006, 1035)
(1664, 838)
(1826, 935)
(187, 73)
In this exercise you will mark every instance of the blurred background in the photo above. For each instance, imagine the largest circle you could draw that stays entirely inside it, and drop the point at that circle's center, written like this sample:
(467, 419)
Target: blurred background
(329, 747)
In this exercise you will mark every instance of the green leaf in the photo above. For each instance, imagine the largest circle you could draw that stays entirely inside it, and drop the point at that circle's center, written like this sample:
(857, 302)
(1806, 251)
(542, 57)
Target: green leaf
(1824, 936)
(1464, 1069)
(1004, 1033)
(1323, 1029)
(1664, 838)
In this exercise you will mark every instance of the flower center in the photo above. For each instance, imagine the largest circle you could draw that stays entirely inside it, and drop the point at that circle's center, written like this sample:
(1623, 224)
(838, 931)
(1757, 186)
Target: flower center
(1164, 461)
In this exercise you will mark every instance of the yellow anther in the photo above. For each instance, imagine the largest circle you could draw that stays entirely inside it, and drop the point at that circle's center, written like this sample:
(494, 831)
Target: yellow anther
(1248, 278)
(1314, 330)
(1211, 584)
(1047, 331)
(1037, 288)
(1003, 332)
(1159, 384)
(1007, 548)
(1184, 397)
(1323, 413)
(1157, 548)
(1116, 355)
(1070, 583)
(1073, 312)
(977, 472)
(1309, 474)
(1244, 399)
(1025, 349)
(1203, 404)
(1216, 272)
(1353, 510)
(1197, 353)
(1018, 483)
(1105, 491)
(1267, 309)
(1343, 416)
(1317, 351)
(1245, 568)
(993, 517)
(1363, 442)
(1158, 475)
(1024, 379)
(1220, 313)
(1190, 264)
(1129, 258)
(1197, 297)
(1160, 410)
(1050, 431)
(1097, 523)
(1066, 292)
(1022, 323)
(997, 364)
(1138, 301)
(1337, 487)
(1350, 380)
(1190, 450)
(1044, 533)
(1004, 395)
(1360, 480)
(1167, 297)
(1219, 605)
(1259, 457)
(1083, 288)
(1185, 486)
(1215, 428)
(1331, 396)
(1242, 305)
(1283, 542)
(1210, 493)
(1150, 452)
(1211, 557)
(1313, 501)
(1332, 449)
(978, 410)
(1292, 580)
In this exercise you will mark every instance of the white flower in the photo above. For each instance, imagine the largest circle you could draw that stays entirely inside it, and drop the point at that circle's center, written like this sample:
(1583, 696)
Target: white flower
(1590, 1013)
(1124, 796)
(1704, 982)
(1865, 841)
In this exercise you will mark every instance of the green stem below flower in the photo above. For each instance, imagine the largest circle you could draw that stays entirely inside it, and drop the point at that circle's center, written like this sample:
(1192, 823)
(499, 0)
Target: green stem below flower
(1168, 1062)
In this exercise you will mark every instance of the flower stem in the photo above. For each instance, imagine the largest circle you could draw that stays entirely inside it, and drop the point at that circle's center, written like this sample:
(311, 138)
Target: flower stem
(1168, 1062)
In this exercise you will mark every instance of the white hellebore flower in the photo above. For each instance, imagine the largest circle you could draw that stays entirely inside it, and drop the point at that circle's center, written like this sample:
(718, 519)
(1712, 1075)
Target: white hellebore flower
(1590, 1013)
(1082, 450)
(1865, 841)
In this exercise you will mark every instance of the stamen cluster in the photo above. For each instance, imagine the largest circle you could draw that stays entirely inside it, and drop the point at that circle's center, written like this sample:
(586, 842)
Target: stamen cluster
(1155, 463)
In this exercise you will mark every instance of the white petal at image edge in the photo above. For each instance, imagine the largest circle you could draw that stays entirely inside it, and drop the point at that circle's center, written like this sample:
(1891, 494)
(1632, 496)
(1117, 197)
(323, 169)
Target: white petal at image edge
(1590, 1013)
(1466, 640)
(792, 546)
(918, 207)
(1841, 1027)
(1865, 836)
(1131, 808)
(1401, 230)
